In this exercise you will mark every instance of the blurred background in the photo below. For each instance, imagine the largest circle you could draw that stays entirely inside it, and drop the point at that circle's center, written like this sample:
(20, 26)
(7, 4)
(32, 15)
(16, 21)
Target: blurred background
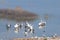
(42, 8)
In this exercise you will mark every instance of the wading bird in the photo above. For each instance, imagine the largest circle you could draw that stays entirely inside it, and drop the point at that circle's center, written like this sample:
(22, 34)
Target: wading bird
(25, 33)
(16, 26)
(42, 24)
(8, 26)
(29, 28)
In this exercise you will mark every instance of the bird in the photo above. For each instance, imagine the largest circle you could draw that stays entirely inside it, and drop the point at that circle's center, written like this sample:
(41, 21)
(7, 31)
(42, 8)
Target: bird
(16, 28)
(31, 31)
(25, 33)
(8, 26)
(20, 25)
(42, 24)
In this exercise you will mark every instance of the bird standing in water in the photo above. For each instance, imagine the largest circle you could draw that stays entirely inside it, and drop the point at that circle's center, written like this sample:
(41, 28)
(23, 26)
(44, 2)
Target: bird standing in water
(8, 26)
(42, 24)
(29, 28)
(16, 26)
(25, 33)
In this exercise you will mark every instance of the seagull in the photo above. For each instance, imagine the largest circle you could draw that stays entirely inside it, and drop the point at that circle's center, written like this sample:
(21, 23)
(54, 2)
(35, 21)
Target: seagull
(42, 24)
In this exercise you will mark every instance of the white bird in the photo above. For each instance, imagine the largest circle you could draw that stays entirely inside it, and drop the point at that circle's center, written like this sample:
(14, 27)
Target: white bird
(16, 26)
(29, 28)
(42, 24)
(27, 25)
(8, 26)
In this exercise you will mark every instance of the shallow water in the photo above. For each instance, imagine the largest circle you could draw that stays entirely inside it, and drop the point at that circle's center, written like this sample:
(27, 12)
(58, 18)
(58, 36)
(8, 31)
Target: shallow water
(52, 27)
